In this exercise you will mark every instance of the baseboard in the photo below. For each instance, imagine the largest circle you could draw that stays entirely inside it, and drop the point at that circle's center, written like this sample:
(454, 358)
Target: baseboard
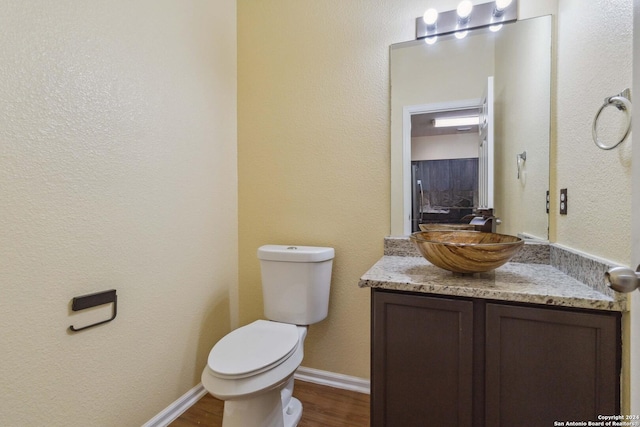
(177, 408)
(316, 376)
(331, 379)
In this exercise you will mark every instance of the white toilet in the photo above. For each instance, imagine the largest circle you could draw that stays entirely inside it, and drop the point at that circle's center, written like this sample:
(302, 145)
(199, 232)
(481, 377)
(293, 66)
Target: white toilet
(252, 368)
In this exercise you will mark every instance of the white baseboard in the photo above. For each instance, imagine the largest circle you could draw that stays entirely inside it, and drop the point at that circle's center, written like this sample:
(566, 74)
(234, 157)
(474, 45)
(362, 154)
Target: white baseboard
(177, 408)
(331, 379)
(316, 376)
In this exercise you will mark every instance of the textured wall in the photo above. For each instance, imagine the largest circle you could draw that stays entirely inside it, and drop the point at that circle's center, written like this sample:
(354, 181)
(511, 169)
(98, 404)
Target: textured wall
(314, 154)
(594, 61)
(117, 170)
(522, 102)
(313, 147)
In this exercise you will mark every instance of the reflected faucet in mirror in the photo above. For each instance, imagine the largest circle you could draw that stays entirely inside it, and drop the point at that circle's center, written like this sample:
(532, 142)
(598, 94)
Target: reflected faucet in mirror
(483, 220)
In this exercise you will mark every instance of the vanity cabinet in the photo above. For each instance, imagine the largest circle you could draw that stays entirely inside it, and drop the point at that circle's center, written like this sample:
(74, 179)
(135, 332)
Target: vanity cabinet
(422, 361)
(448, 361)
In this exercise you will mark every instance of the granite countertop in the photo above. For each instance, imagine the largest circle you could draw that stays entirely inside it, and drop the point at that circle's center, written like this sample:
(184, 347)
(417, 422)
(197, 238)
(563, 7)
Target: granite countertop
(519, 282)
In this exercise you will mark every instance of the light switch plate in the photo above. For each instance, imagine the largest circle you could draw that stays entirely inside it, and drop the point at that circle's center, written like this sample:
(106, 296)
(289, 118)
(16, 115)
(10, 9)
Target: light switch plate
(548, 200)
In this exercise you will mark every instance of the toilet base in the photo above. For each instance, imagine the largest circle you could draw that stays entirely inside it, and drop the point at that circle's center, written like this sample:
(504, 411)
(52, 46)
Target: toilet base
(293, 413)
(292, 407)
(275, 408)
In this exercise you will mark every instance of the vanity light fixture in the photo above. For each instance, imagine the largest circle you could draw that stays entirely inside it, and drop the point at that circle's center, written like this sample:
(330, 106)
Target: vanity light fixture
(464, 11)
(461, 34)
(465, 17)
(430, 18)
(495, 28)
(431, 40)
(456, 121)
(501, 5)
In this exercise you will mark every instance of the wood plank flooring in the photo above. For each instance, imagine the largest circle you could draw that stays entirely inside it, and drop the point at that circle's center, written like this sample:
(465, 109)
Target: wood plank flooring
(322, 407)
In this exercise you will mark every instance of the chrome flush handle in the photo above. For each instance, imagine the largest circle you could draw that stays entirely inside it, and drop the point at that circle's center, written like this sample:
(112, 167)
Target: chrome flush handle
(623, 279)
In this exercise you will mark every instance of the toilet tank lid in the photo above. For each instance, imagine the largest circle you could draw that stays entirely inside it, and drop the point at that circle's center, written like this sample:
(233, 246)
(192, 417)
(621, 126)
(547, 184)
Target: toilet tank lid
(292, 253)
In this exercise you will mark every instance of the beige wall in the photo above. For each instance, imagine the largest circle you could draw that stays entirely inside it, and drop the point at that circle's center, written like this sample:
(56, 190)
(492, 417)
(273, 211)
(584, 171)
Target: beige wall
(313, 147)
(594, 65)
(454, 146)
(522, 110)
(118, 131)
(117, 170)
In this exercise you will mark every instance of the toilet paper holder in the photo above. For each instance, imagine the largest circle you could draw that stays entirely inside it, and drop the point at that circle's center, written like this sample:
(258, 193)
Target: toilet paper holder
(93, 300)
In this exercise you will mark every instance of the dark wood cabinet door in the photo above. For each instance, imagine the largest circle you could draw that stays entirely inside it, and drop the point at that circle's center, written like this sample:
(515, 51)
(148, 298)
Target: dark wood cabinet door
(421, 361)
(545, 365)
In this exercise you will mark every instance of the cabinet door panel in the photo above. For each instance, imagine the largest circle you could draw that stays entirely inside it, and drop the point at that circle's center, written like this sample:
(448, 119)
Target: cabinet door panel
(546, 365)
(422, 361)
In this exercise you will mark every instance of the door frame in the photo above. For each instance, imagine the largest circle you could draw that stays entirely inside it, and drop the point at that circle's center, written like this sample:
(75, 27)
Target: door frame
(486, 149)
(407, 112)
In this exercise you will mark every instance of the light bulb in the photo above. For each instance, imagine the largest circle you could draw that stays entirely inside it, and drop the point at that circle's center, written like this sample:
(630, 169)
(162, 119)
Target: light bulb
(495, 28)
(464, 9)
(461, 34)
(431, 40)
(502, 4)
(430, 17)
(456, 121)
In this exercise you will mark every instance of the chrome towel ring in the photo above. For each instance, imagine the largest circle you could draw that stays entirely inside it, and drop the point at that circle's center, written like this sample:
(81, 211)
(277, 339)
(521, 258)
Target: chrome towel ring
(622, 102)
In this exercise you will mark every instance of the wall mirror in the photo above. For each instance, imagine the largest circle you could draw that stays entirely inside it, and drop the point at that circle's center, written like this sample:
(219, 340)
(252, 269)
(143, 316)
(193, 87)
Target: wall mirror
(436, 173)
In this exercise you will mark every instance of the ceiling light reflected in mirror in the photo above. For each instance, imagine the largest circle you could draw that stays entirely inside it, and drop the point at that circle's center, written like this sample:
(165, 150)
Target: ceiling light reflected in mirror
(456, 121)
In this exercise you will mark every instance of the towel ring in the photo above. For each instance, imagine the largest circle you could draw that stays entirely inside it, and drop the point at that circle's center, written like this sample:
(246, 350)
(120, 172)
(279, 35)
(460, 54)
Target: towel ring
(622, 102)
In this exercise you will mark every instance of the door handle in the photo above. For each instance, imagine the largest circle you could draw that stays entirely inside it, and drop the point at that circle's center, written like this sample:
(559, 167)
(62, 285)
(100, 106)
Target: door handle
(623, 279)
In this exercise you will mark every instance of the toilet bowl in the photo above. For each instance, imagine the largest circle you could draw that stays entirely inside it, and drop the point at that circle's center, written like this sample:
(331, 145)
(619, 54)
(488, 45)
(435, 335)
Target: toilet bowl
(252, 369)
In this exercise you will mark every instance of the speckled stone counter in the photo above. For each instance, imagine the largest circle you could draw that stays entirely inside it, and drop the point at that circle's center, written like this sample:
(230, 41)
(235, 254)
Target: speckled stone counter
(514, 281)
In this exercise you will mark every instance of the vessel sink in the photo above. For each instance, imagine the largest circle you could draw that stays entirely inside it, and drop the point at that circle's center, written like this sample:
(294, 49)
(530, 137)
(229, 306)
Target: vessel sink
(434, 227)
(466, 252)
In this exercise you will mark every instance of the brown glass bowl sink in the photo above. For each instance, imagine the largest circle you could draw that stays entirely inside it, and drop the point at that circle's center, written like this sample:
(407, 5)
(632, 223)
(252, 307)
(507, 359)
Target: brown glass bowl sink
(436, 227)
(466, 252)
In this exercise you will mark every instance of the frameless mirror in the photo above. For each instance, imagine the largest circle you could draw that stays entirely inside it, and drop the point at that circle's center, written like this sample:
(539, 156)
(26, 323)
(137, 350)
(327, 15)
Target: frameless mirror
(438, 174)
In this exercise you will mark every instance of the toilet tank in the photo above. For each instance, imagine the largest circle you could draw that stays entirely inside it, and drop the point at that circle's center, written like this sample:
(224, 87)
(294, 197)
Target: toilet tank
(295, 282)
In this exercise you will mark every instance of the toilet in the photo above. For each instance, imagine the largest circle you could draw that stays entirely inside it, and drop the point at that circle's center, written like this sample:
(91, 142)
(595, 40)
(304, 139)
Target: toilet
(251, 369)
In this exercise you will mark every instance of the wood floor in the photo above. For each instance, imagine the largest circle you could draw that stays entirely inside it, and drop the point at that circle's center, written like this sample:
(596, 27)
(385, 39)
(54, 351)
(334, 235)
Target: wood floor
(322, 407)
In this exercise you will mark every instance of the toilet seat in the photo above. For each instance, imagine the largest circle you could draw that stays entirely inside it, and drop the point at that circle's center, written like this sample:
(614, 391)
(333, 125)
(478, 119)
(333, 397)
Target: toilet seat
(253, 349)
